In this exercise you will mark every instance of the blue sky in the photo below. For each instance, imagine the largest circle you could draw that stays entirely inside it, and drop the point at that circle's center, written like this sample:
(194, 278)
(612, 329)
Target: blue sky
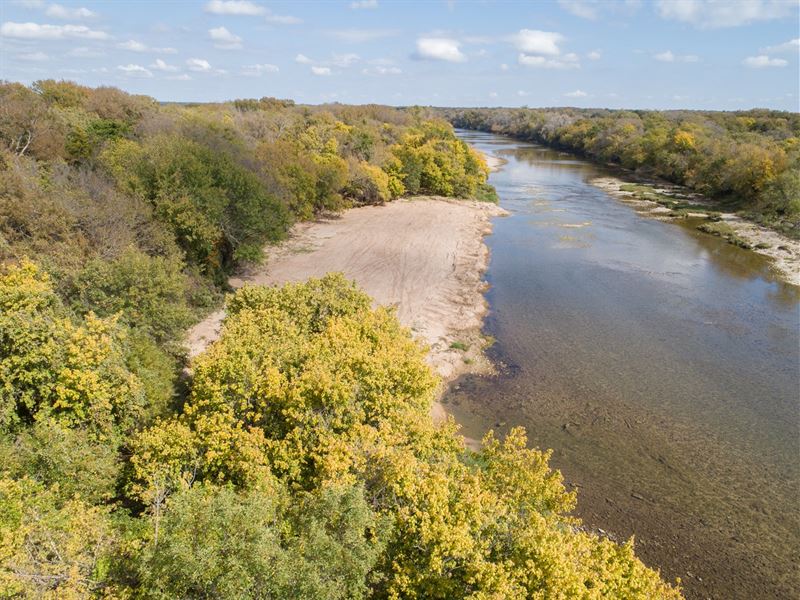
(704, 54)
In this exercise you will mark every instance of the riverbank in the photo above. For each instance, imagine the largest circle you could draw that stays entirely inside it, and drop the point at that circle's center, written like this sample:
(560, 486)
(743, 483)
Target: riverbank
(783, 251)
(424, 256)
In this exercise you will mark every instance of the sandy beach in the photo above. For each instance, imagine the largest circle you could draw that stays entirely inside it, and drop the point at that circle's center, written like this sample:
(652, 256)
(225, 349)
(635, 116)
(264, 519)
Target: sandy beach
(424, 256)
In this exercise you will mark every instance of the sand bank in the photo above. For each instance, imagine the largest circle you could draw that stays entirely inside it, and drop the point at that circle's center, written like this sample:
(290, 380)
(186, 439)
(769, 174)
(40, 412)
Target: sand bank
(423, 256)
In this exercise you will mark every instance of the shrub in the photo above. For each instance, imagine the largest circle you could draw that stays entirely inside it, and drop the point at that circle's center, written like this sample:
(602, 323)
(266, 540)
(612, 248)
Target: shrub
(217, 543)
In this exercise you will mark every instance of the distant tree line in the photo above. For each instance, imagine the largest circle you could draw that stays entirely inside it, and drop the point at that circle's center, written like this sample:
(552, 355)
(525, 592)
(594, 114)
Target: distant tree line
(749, 159)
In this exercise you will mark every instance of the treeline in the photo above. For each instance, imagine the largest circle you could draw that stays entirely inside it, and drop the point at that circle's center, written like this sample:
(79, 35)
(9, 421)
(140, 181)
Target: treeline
(748, 159)
(298, 460)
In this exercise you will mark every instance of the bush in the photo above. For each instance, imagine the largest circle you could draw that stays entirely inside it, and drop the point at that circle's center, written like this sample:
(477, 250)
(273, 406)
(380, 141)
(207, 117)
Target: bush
(51, 366)
(150, 292)
(432, 160)
(368, 184)
(217, 543)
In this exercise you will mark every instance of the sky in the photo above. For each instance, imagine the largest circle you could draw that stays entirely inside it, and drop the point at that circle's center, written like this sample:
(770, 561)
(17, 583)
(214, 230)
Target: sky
(698, 54)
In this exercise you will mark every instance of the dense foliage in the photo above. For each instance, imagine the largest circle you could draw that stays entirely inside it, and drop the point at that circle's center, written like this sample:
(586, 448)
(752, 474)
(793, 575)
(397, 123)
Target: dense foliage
(749, 159)
(303, 464)
(297, 459)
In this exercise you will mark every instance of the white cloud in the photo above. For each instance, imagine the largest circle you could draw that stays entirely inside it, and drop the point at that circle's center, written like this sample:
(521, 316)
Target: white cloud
(33, 56)
(364, 4)
(345, 60)
(320, 70)
(504, 67)
(181, 77)
(763, 61)
(568, 61)
(445, 49)
(492, 94)
(522, 93)
(669, 56)
(576, 94)
(790, 46)
(68, 14)
(224, 39)
(234, 7)
(302, 59)
(134, 70)
(381, 70)
(160, 65)
(282, 19)
(35, 31)
(358, 36)
(707, 14)
(580, 8)
(533, 41)
(259, 70)
(135, 46)
(594, 55)
(198, 64)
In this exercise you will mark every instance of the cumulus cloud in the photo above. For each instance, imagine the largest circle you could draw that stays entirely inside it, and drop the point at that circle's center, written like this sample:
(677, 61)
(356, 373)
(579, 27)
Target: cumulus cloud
(438, 48)
(224, 39)
(303, 59)
(669, 56)
(504, 67)
(234, 7)
(160, 65)
(135, 46)
(135, 70)
(259, 70)
(708, 14)
(198, 64)
(576, 94)
(790, 46)
(533, 41)
(594, 55)
(36, 31)
(357, 4)
(320, 70)
(245, 8)
(763, 61)
(57, 11)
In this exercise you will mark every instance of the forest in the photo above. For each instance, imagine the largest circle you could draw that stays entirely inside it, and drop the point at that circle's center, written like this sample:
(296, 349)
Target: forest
(296, 457)
(748, 160)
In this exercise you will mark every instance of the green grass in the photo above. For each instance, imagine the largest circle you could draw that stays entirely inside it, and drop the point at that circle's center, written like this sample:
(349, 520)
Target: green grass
(725, 231)
(459, 346)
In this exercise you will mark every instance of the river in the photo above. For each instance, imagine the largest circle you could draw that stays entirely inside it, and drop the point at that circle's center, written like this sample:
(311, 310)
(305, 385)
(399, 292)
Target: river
(661, 365)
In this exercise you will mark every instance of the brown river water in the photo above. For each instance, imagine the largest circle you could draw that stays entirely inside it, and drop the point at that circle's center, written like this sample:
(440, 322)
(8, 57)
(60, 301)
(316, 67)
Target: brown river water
(661, 365)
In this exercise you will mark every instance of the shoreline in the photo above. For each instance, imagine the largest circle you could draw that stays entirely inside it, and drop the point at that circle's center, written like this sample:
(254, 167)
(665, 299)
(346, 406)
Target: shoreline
(425, 256)
(783, 252)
